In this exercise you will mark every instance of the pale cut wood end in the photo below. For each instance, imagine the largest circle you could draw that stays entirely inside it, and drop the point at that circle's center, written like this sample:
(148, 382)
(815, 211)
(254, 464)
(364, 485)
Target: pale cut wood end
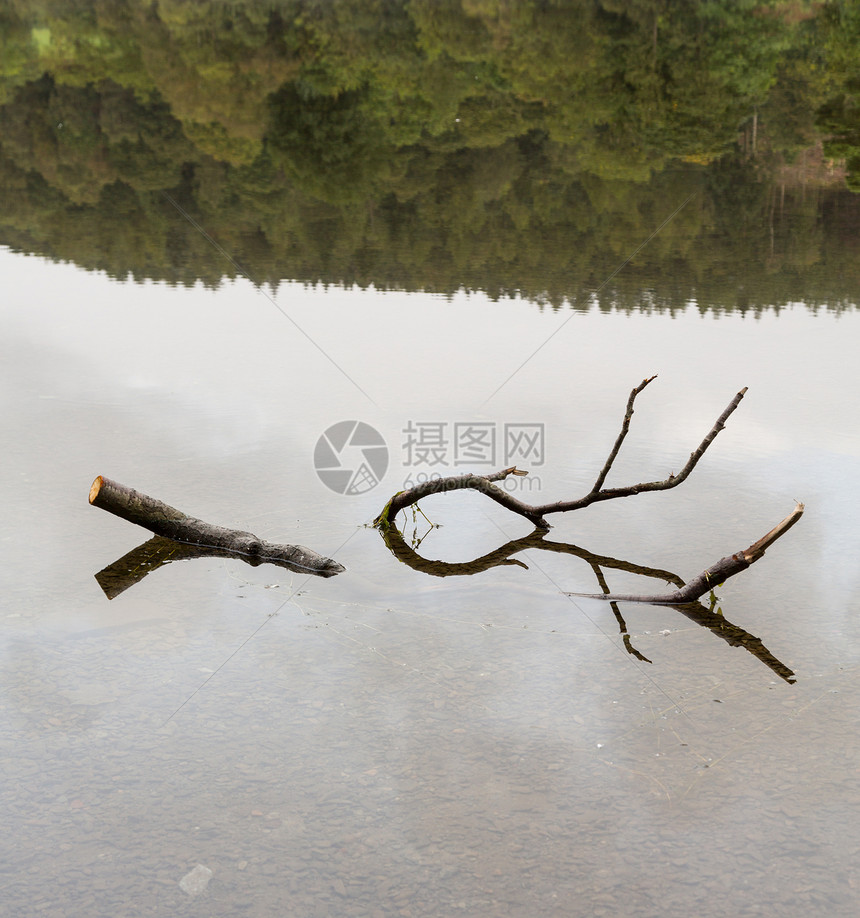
(96, 487)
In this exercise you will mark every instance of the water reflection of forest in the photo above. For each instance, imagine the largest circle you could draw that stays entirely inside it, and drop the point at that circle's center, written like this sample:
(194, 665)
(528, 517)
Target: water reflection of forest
(521, 148)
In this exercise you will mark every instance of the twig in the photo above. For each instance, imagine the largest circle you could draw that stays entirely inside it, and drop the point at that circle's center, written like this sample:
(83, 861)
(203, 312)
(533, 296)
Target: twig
(625, 426)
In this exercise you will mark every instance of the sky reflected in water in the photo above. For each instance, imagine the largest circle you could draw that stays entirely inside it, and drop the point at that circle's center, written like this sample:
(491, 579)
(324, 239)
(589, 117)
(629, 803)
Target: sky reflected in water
(388, 742)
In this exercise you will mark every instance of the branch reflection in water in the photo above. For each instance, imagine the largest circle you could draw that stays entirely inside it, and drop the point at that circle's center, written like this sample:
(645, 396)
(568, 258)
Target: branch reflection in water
(707, 616)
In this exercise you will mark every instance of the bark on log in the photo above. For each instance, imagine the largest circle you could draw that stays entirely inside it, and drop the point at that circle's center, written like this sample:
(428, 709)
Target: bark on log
(167, 521)
(716, 574)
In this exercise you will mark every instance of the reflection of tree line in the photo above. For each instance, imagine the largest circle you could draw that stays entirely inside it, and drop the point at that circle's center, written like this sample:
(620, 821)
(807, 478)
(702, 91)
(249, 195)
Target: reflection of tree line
(510, 148)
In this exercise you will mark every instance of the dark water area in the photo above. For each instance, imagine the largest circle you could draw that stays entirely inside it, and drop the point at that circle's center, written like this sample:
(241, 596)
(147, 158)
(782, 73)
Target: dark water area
(274, 263)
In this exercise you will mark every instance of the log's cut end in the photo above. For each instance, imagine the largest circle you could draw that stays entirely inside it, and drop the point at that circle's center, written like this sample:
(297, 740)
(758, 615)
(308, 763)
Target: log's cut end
(96, 487)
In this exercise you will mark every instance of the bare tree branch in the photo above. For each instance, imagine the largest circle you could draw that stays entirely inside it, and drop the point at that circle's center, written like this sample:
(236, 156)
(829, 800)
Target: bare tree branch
(483, 483)
(625, 426)
(535, 514)
(716, 574)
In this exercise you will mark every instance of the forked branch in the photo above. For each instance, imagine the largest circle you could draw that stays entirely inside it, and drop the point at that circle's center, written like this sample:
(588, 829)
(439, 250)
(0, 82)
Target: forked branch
(536, 514)
(709, 579)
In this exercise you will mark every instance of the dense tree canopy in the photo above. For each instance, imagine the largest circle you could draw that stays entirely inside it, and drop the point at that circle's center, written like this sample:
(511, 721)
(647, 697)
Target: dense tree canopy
(519, 148)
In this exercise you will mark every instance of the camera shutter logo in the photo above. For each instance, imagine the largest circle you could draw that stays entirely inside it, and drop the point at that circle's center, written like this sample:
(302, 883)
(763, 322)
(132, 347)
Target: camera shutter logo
(351, 457)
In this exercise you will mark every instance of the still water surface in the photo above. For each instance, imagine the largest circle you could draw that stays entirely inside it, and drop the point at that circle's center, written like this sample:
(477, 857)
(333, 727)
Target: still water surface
(461, 221)
(388, 742)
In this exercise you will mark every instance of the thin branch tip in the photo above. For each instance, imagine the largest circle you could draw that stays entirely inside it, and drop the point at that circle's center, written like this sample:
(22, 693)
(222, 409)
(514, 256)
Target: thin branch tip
(717, 573)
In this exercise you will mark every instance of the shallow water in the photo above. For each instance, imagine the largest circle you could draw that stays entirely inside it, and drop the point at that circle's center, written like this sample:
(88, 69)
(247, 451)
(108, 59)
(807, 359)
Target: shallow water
(387, 742)
(289, 205)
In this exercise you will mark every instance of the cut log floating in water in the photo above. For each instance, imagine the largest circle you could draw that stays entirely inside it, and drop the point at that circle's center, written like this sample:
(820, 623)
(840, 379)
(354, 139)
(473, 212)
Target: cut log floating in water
(712, 577)
(167, 521)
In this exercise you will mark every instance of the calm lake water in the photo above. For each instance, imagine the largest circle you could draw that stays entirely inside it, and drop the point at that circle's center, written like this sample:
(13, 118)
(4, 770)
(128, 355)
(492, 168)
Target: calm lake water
(418, 740)
(388, 742)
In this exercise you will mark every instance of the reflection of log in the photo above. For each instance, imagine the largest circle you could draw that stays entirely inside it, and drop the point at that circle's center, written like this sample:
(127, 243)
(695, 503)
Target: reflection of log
(695, 611)
(171, 523)
(714, 575)
(535, 514)
(132, 567)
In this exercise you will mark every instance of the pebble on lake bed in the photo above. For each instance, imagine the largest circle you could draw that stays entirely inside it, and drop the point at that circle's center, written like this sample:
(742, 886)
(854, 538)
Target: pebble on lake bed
(196, 881)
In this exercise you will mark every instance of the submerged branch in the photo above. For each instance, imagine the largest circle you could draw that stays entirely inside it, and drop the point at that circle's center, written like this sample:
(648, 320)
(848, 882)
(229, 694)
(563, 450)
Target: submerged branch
(716, 574)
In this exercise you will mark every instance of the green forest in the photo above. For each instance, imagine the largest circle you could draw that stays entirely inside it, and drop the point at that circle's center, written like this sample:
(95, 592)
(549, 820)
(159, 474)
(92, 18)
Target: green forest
(518, 147)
